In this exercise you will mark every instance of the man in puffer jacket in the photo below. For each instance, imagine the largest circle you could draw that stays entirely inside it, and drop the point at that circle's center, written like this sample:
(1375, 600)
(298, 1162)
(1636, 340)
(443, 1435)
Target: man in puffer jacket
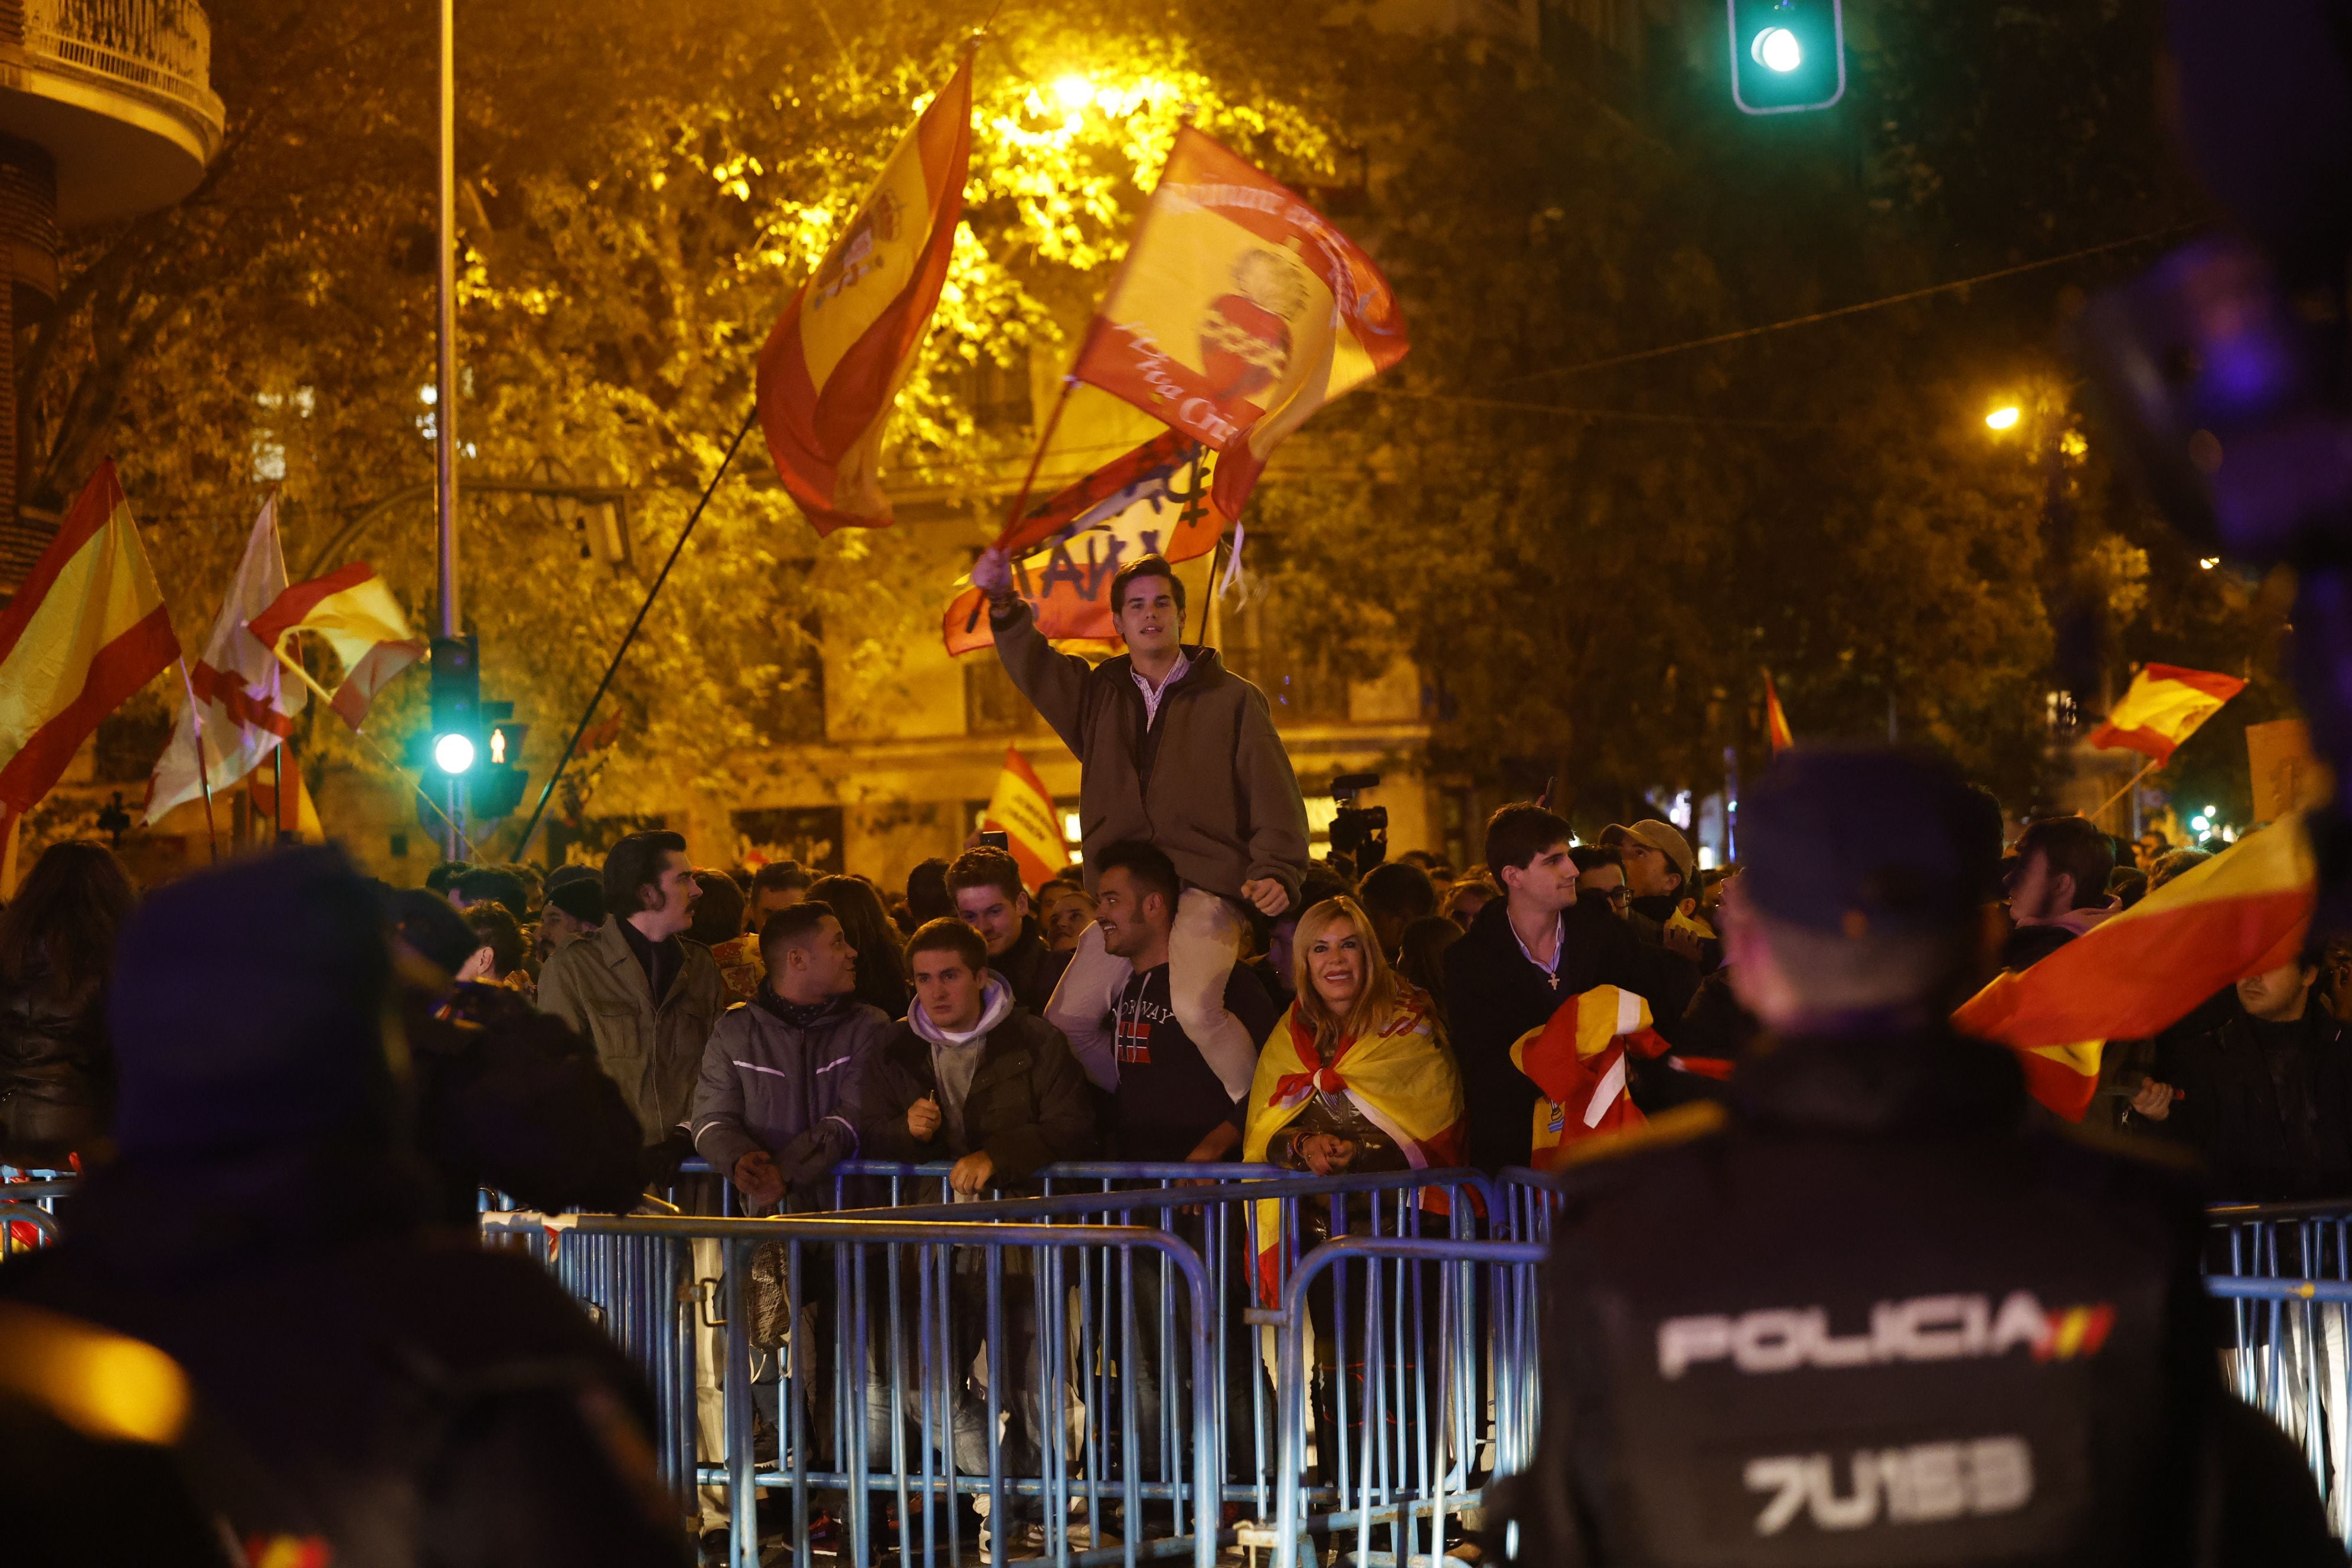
(777, 1106)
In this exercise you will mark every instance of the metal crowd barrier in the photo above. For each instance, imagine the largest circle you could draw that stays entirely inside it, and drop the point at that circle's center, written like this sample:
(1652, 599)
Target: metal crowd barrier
(1413, 1454)
(890, 1417)
(29, 1207)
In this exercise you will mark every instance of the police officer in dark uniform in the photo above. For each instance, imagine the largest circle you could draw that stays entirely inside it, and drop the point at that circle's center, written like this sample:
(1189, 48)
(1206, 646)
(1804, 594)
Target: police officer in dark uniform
(1862, 1312)
(285, 1347)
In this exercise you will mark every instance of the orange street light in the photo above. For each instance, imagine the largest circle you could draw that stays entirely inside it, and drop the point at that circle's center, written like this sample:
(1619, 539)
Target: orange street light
(2001, 419)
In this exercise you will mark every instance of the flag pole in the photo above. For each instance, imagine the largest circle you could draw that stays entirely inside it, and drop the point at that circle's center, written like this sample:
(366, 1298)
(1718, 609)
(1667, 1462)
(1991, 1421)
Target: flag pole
(204, 767)
(1029, 481)
(589, 712)
(2153, 764)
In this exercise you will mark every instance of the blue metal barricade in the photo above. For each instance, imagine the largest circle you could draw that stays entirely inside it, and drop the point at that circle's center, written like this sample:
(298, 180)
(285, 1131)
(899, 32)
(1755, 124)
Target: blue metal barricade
(1224, 1211)
(1407, 1459)
(884, 1328)
(29, 1207)
(1527, 1200)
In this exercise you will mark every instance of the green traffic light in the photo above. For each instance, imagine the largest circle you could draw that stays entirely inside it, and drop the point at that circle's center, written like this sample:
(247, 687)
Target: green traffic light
(453, 753)
(1777, 49)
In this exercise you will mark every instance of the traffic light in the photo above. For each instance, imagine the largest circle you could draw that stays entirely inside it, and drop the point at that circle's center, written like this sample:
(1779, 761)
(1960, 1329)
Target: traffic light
(457, 707)
(497, 785)
(1787, 54)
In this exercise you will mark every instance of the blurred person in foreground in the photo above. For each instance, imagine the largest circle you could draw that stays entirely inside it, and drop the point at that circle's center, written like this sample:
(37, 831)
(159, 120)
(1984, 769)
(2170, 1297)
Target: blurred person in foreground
(1866, 1311)
(330, 1379)
(503, 1097)
(57, 954)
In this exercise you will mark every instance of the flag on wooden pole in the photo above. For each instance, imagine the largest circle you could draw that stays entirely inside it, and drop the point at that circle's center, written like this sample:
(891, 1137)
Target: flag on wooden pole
(354, 610)
(2163, 707)
(86, 631)
(833, 366)
(1238, 311)
(241, 703)
(1022, 809)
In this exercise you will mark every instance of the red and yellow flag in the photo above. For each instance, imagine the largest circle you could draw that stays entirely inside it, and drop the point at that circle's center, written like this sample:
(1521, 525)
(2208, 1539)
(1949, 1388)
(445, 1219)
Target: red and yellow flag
(86, 631)
(1404, 1082)
(1022, 808)
(1578, 1060)
(1238, 313)
(1776, 718)
(2164, 707)
(833, 367)
(354, 610)
(1154, 499)
(2244, 912)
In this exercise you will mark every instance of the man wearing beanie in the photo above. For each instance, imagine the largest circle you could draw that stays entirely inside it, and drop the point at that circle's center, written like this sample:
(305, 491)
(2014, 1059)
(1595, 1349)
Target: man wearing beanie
(1863, 1311)
(359, 1388)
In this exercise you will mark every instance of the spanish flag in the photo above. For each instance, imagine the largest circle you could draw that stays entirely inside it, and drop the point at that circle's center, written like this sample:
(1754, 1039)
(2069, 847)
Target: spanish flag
(2164, 707)
(1022, 808)
(1578, 1060)
(86, 631)
(1152, 500)
(832, 368)
(2244, 912)
(1776, 718)
(352, 608)
(1238, 311)
(1402, 1078)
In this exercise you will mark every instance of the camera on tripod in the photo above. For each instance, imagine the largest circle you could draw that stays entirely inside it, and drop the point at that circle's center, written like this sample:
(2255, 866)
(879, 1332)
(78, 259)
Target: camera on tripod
(1358, 831)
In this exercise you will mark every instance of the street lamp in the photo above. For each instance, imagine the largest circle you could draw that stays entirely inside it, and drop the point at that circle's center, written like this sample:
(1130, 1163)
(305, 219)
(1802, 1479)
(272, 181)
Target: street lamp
(2002, 418)
(1074, 92)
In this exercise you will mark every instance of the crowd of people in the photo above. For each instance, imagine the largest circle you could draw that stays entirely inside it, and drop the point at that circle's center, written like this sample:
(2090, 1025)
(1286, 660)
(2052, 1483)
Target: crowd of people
(1196, 988)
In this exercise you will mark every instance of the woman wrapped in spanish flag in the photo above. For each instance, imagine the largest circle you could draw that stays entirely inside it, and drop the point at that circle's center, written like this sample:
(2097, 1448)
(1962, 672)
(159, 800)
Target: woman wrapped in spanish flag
(1356, 1077)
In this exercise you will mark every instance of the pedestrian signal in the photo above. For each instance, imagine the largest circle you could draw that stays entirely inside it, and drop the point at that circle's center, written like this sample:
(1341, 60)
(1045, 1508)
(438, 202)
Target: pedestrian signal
(1787, 56)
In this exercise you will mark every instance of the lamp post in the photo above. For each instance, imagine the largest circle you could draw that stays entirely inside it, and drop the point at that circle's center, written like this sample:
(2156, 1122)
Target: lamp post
(444, 383)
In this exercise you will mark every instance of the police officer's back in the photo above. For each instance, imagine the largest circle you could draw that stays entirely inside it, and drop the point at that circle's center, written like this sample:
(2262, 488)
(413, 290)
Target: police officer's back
(363, 1389)
(1861, 1314)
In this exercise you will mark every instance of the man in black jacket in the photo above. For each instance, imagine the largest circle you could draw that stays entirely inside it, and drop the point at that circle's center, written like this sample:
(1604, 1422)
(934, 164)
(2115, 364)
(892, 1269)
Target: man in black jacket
(1520, 960)
(364, 1390)
(2265, 1095)
(1864, 1313)
(985, 886)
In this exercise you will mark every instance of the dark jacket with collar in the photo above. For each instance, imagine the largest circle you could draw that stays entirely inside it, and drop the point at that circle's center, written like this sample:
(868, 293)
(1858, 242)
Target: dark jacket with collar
(1493, 995)
(1030, 967)
(57, 1073)
(654, 1054)
(769, 1084)
(1028, 1106)
(2233, 1112)
(1864, 1313)
(1208, 781)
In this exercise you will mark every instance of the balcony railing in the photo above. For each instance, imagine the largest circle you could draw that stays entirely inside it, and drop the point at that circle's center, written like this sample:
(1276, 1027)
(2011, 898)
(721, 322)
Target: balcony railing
(165, 45)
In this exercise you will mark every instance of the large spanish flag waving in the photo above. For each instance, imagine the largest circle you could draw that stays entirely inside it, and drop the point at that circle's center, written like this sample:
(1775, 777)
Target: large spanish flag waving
(1238, 313)
(833, 366)
(2242, 912)
(86, 631)
(1402, 1079)
(2163, 707)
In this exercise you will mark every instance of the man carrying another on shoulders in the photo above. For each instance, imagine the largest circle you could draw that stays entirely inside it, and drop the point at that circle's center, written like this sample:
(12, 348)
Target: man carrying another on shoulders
(1175, 750)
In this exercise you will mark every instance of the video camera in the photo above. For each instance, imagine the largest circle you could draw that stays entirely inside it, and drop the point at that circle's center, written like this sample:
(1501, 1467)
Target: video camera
(1358, 831)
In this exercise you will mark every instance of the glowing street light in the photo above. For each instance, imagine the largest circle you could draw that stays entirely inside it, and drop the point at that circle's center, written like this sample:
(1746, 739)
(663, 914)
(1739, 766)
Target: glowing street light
(2001, 419)
(1777, 49)
(1074, 92)
(453, 753)
(2208, 561)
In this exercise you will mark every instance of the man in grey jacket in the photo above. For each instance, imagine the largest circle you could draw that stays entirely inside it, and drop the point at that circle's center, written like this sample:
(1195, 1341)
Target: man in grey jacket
(777, 1107)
